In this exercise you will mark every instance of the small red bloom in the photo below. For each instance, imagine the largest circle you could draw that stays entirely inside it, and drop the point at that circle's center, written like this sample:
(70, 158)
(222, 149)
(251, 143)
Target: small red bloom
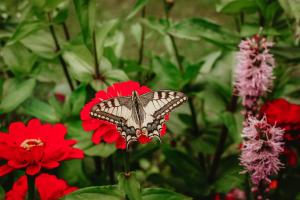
(48, 186)
(106, 131)
(284, 114)
(35, 146)
(273, 184)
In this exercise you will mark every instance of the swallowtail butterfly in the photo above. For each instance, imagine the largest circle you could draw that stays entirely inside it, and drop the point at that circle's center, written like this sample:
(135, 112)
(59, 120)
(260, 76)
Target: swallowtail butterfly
(138, 115)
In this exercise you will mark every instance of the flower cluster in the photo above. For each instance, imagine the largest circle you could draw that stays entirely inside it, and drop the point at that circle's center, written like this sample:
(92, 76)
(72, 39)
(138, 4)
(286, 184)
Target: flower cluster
(35, 146)
(106, 131)
(48, 186)
(253, 75)
(261, 148)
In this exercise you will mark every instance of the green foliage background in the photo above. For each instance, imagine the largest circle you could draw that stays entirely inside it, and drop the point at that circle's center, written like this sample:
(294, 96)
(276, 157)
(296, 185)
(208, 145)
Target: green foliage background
(75, 48)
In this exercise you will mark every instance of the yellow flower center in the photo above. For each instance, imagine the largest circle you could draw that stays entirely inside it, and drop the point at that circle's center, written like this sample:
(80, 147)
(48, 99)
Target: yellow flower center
(29, 143)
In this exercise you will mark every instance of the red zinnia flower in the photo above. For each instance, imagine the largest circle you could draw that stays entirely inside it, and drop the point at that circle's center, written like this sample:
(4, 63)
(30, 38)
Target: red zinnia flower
(35, 146)
(282, 113)
(105, 130)
(48, 186)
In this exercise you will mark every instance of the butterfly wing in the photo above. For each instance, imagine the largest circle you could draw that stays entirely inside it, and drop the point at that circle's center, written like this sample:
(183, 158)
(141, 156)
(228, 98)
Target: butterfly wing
(118, 111)
(157, 105)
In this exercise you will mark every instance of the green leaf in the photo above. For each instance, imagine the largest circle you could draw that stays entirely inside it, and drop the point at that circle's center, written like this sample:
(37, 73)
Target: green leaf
(287, 52)
(102, 32)
(183, 163)
(73, 172)
(196, 28)
(77, 99)
(40, 109)
(109, 192)
(86, 13)
(2, 193)
(24, 29)
(205, 145)
(18, 59)
(15, 92)
(80, 62)
(129, 184)
(41, 43)
(162, 194)
(228, 182)
(103, 150)
(231, 124)
(237, 6)
(75, 131)
(139, 4)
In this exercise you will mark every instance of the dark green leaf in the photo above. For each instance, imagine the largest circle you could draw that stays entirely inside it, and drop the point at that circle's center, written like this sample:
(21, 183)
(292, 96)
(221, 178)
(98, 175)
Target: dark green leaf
(129, 184)
(103, 150)
(15, 92)
(40, 109)
(73, 172)
(77, 99)
(231, 124)
(97, 192)
(2, 193)
(162, 194)
(86, 13)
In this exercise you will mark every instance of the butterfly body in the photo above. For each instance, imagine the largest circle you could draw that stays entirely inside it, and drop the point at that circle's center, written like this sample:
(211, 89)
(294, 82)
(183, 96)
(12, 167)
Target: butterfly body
(138, 115)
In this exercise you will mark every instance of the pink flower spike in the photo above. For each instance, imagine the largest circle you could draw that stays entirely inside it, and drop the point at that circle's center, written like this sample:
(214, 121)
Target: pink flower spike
(261, 148)
(254, 70)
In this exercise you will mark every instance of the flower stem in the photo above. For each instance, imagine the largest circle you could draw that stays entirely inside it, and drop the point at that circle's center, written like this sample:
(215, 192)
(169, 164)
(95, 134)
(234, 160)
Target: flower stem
(31, 187)
(95, 54)
(126, 164)
(57, 46)
(223, 136)
(111, 173)
(66, 31)
(141, 49)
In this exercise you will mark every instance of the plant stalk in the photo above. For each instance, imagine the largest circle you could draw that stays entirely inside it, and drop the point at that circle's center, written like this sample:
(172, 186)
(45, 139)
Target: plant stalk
(57, 49)
(223, 136)
(142, 41)
(95, 54)
(31, 187)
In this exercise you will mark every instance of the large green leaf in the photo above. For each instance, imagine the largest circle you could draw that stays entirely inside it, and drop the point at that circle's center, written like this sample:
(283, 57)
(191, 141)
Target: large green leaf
(162, 194)
(77, 100)
(237, 6)
(40, 43)
(109, 192)
(15, 92)
(26, 28)
(130, 185)
(40, 109)
(18, 59)
(196, 28)
(86, 13)
(231, 124)
(80, 61)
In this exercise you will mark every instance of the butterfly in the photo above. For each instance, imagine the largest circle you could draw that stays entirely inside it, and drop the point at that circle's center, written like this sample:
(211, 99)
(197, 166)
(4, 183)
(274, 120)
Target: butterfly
(138, 115)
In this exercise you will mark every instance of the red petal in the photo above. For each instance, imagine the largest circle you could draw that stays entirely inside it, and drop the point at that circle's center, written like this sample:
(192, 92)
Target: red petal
(16, 164)
(90, 125)
(50, 165)
(144, 139)
(5, 169)
(111, 136)
(33, 169)
(121, 143)
(17, 129)
(163, 130)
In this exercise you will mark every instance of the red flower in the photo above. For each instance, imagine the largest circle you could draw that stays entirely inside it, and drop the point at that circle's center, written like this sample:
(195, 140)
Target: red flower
(273, 184)
(105, 130)
(35, 146)
(48, 186)
(282, 113)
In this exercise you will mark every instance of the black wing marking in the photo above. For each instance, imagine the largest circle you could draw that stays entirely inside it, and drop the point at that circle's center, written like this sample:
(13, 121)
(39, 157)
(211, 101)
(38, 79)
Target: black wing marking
(162, 102)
